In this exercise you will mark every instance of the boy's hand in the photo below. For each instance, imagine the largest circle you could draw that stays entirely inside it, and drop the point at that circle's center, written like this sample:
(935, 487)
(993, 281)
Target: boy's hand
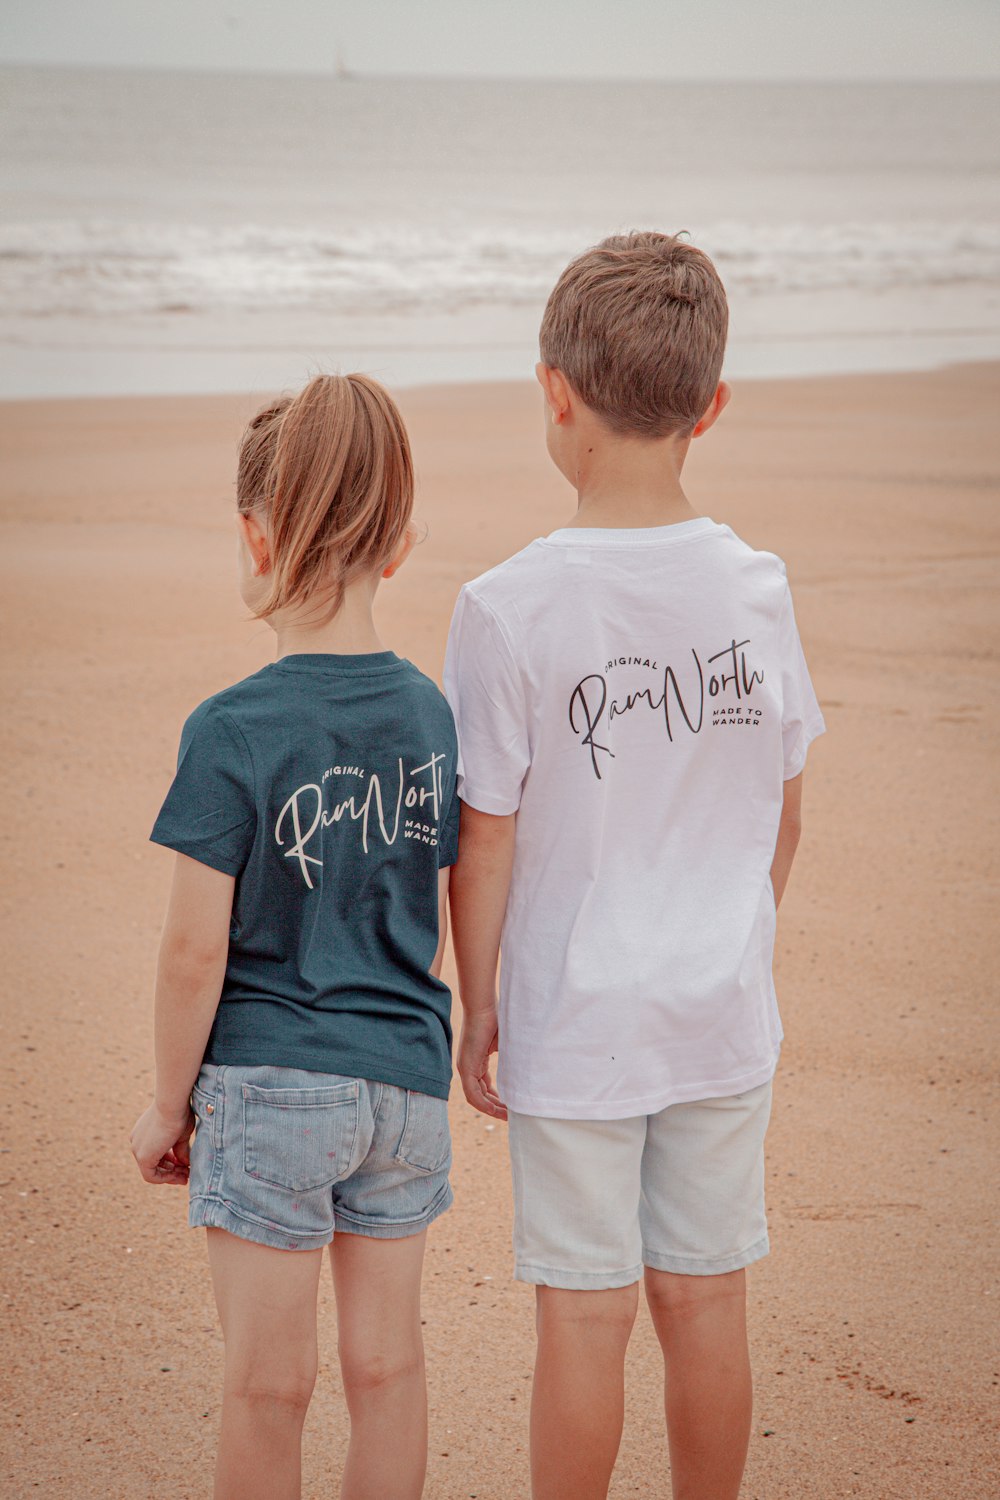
(161, 1145)
(479, 1040)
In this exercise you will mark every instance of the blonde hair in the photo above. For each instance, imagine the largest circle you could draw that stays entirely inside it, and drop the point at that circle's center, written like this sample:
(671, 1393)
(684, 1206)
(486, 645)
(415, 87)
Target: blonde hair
(330, 472)
(638, 326)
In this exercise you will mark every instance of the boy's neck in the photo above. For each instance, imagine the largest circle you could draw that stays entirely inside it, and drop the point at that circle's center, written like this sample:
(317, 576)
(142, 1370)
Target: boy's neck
(629, 482)
(351, 632)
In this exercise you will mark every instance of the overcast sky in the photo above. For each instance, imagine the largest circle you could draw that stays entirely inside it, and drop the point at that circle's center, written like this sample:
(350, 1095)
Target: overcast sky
(526, 38)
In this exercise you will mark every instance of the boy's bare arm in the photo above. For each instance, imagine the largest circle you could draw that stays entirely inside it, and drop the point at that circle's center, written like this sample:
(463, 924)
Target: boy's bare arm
(189, 974)
(479, 884)
(789, 832)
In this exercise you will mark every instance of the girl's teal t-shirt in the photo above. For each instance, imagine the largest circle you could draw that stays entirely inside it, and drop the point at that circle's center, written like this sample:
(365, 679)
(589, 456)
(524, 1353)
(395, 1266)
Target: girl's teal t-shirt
(326, 785)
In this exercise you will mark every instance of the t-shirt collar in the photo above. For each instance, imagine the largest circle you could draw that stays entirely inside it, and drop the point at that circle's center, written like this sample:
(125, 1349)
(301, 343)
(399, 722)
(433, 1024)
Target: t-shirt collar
(630, 536)
(349, 664)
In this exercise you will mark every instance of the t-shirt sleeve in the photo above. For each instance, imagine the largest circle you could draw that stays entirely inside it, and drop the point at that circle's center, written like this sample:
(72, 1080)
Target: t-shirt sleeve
(483, 686)
(448, 841)
(209, 813)
(801, 720)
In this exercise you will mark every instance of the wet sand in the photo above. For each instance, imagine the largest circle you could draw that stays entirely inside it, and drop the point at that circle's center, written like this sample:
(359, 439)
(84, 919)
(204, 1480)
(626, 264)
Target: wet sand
(874, 1319)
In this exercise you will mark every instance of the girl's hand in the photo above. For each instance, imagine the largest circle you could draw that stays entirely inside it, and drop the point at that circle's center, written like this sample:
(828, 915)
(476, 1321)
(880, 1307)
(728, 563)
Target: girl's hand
(479, 1040)
(161, 1145)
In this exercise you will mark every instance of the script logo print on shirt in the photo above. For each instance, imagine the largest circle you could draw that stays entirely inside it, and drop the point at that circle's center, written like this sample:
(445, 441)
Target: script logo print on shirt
(679, 695)
(305, 813)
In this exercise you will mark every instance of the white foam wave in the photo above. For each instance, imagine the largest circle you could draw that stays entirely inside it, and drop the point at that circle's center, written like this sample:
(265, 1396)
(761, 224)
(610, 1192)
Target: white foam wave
(121, 269)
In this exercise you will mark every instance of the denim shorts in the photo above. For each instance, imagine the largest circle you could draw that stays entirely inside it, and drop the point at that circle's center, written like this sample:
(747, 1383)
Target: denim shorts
(288, 1158)
(681, 1190)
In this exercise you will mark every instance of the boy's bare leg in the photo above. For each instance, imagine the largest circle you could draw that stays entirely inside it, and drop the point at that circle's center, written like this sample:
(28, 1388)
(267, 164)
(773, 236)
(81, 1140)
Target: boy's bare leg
(267, 1305)
(578, 1398)
(701, 1324)
(382, 1362)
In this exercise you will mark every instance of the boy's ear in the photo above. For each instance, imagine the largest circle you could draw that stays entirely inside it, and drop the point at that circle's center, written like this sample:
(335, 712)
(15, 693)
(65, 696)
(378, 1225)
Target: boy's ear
(254, 536)
(403, 551)
(556, 389)
(717, 406)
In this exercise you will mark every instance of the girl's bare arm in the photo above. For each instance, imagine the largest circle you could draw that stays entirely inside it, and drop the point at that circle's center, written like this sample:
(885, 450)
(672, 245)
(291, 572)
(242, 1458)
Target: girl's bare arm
(189, 974)
(479, 885)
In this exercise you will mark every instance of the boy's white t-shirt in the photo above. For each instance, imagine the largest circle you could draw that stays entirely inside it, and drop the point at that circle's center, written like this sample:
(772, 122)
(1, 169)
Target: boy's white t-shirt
(638, 698)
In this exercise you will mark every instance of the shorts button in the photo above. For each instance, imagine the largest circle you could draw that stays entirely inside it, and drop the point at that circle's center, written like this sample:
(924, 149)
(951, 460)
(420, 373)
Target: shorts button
(210, 1109)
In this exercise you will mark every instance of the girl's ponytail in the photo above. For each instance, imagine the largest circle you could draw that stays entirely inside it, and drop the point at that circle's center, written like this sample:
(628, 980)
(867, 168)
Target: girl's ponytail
(330, 472)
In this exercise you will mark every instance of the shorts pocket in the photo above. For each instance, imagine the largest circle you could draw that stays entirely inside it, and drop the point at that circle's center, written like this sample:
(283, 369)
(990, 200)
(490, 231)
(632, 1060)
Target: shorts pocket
(204, 1147)
(207, 1115)
(426, 1140)
(299, 1139)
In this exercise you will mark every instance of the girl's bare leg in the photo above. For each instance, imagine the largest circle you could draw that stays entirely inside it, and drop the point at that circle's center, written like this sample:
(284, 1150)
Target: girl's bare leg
(267, 1305)
(578, 1398)
(377, 1283)
(701, 1324)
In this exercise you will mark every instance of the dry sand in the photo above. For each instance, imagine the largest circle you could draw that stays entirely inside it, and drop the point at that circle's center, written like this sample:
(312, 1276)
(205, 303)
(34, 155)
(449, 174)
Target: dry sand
(874, 1321)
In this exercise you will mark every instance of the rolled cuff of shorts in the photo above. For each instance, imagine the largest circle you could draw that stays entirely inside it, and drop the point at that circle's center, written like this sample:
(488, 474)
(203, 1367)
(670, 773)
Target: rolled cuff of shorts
(576, 1281)
(397, 1229)
(693, 1265)
(210, 1213)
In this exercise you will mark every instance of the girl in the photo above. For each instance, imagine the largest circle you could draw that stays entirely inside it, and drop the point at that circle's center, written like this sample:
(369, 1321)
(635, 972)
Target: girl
(302, 1029)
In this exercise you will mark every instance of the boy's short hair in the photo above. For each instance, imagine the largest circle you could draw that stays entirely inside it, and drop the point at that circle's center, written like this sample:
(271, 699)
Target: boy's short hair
(637, 326)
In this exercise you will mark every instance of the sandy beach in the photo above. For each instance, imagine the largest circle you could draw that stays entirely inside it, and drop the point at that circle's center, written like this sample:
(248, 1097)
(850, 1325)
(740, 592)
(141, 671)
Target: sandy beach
(874, 1319)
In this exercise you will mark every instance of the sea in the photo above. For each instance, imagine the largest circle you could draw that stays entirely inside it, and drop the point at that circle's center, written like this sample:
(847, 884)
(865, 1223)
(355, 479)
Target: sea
(166, 232)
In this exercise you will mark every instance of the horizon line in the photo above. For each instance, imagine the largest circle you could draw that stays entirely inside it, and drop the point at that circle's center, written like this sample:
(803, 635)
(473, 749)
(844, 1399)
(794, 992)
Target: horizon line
(336, 73)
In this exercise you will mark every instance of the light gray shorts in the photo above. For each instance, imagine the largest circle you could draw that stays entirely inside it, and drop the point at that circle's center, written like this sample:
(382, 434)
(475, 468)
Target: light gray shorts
(288, 1158)
(682, 1190)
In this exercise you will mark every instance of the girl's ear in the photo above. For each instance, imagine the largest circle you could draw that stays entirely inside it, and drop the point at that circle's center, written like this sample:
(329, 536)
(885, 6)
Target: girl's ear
(403, 551)
(254, 537)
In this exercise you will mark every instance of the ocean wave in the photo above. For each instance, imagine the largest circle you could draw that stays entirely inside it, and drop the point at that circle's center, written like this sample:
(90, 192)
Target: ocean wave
(122, 269)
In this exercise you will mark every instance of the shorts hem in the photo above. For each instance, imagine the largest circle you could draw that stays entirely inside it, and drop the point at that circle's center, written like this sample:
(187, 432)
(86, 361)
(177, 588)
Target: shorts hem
(210, 1213)
(398, 1229)
(576, 1281)
(706, 1265)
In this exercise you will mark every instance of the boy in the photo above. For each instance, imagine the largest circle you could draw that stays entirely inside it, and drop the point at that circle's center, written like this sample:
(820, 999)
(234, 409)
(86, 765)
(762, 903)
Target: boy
(633, 711)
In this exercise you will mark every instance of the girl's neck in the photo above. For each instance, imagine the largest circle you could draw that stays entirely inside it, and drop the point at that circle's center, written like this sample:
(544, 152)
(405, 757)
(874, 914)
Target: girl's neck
(351, 632)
